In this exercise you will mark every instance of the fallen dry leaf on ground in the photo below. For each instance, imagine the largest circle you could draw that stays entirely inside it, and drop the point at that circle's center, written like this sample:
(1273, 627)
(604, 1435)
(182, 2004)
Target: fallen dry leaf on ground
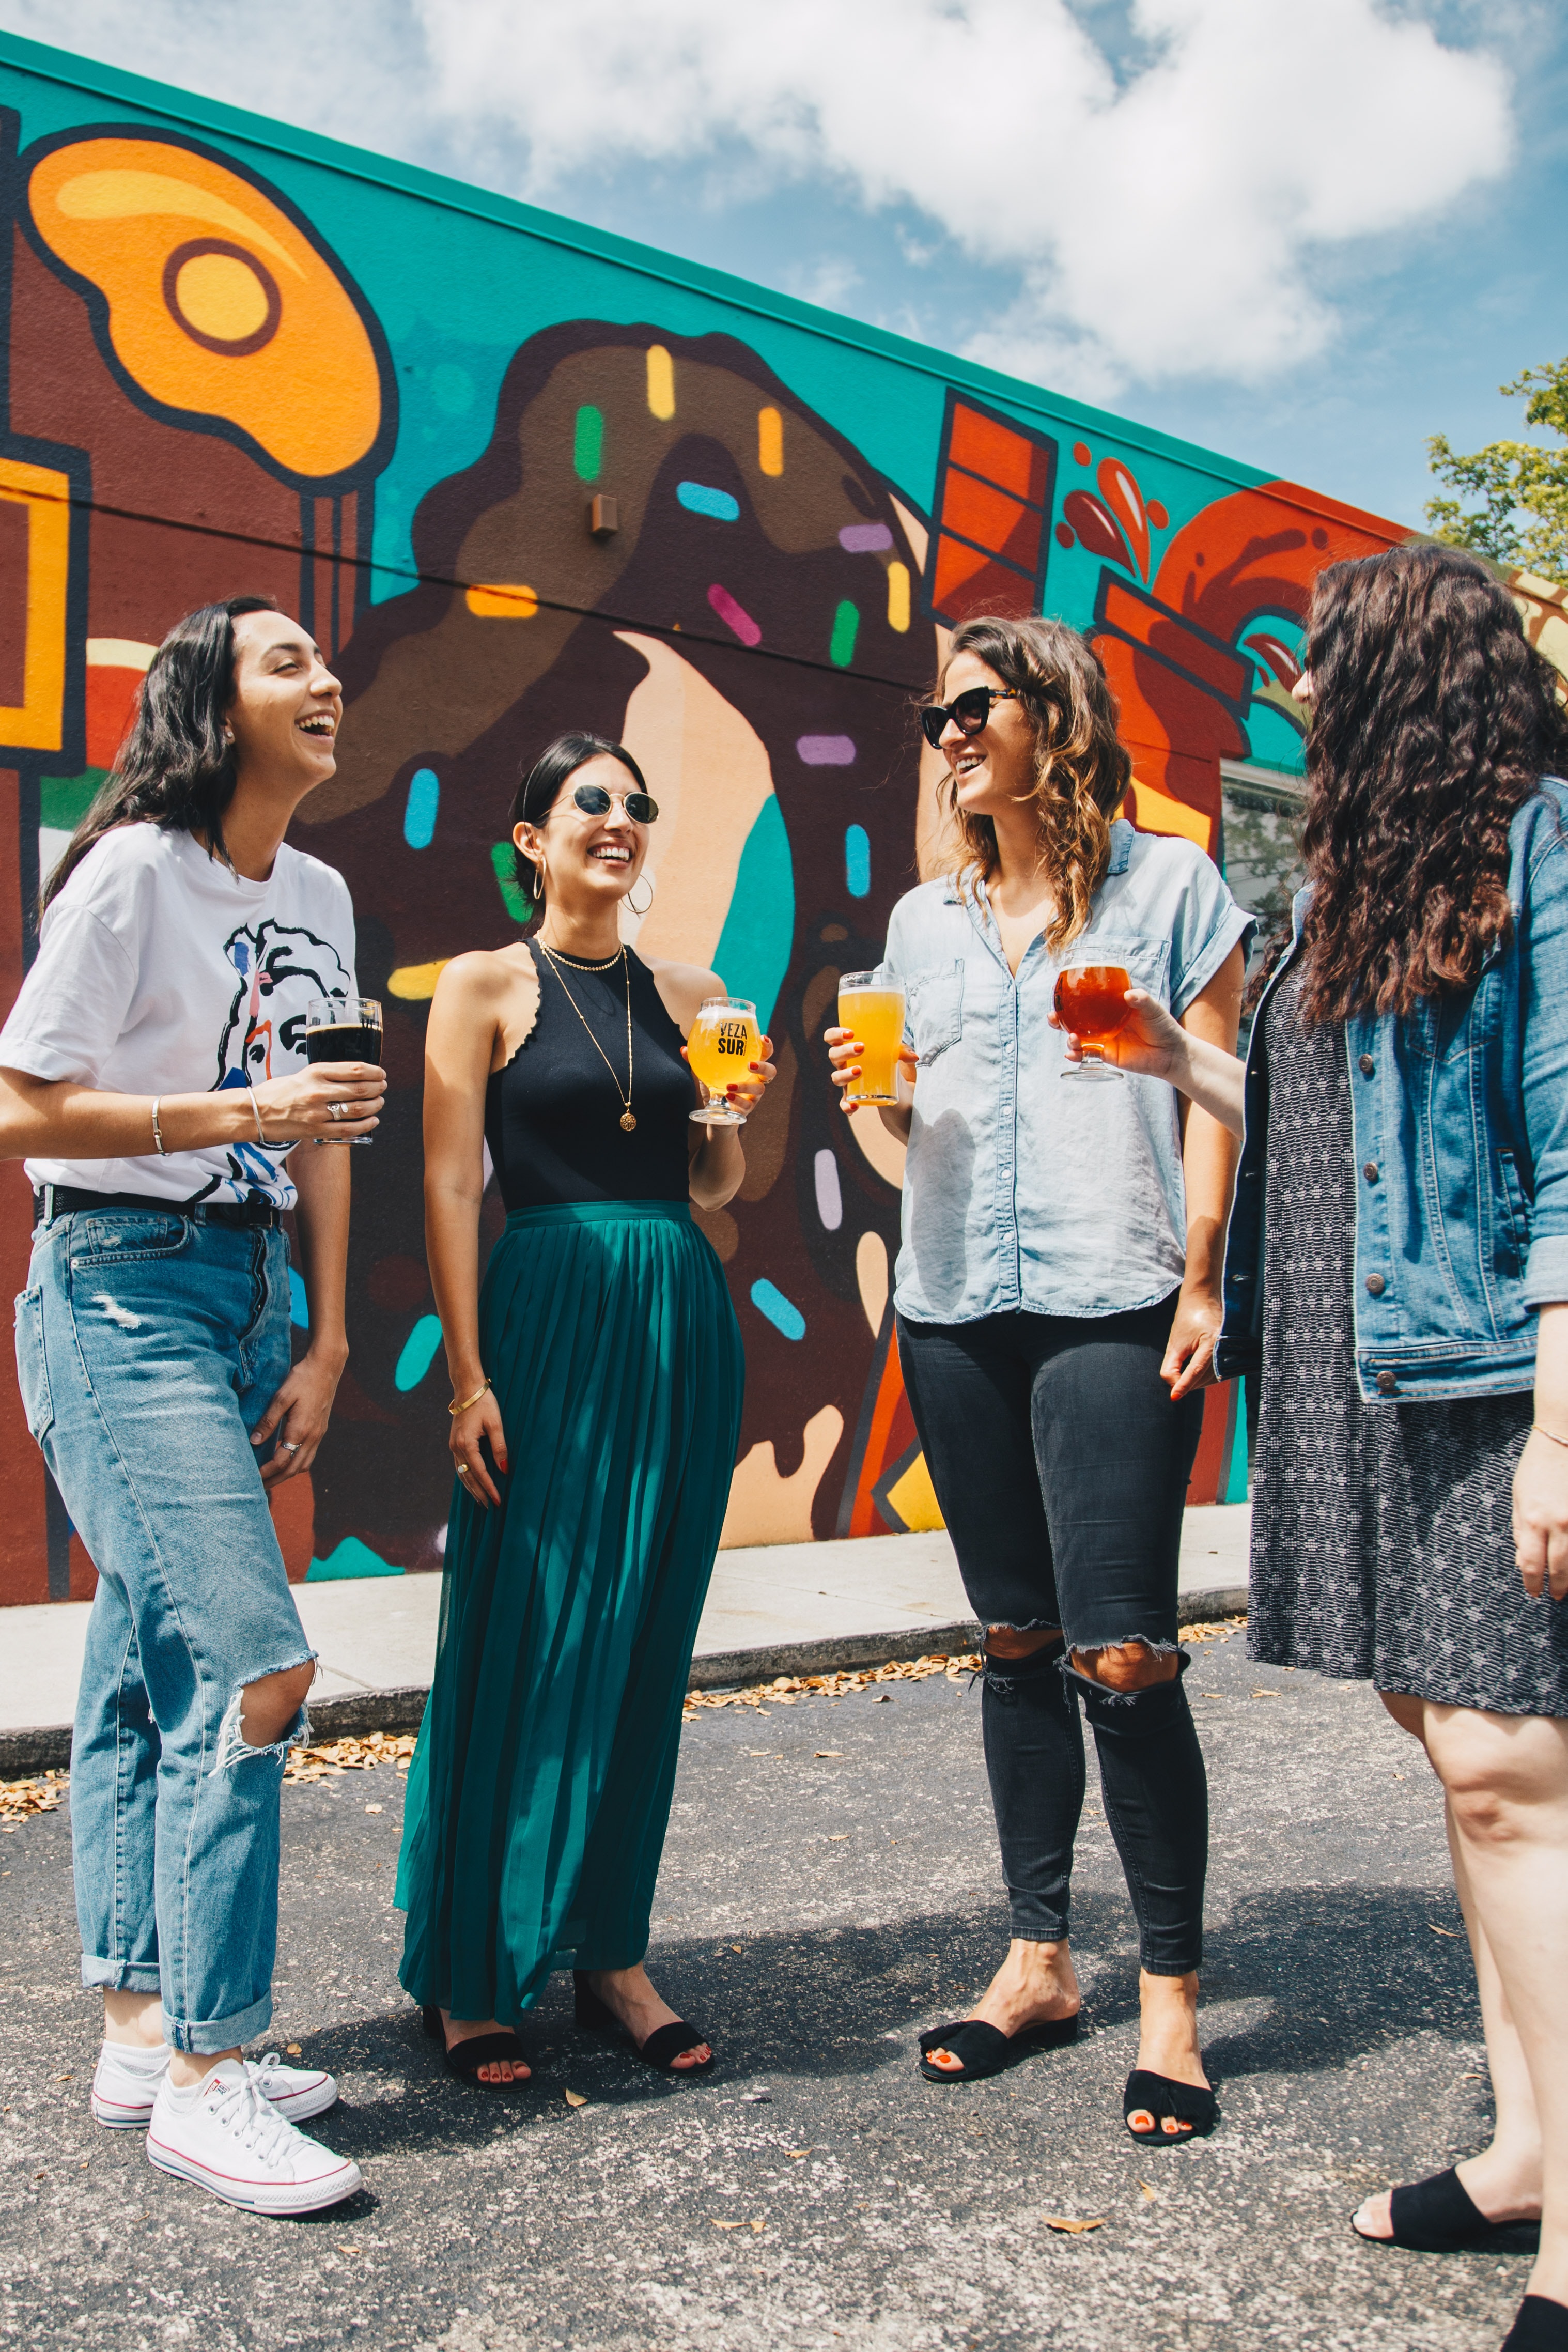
(1147, 2193)
(1452, 1932)
(574, 2098)
(785, 1689)
(726, 2225)
(41, 1794)
(1073, 2227)
(332, 1756)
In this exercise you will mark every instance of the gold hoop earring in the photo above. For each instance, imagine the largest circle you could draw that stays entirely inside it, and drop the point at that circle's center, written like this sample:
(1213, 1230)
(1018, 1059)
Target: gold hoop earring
(640, 911)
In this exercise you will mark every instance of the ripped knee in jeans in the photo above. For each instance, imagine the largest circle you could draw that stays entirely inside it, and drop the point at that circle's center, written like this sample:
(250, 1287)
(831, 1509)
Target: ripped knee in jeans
(265, 1717)
(1134, 1664)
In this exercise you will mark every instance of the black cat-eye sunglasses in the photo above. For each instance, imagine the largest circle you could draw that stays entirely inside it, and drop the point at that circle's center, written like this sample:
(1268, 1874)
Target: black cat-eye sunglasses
(968, 711)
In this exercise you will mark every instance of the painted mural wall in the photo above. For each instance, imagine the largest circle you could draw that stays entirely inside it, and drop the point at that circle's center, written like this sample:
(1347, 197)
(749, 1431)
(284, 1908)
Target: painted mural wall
(517, 476)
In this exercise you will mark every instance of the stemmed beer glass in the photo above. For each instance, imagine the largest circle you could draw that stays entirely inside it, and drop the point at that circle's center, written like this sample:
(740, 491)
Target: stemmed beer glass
(721, 1046)
(1092, 1001)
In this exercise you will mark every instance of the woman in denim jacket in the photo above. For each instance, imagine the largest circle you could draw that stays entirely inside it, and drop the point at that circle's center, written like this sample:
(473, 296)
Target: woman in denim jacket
(1397, 1270)
(1057, 1299)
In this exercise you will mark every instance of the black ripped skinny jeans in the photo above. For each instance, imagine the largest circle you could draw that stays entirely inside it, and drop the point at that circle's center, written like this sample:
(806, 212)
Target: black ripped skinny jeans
(1062, 1467)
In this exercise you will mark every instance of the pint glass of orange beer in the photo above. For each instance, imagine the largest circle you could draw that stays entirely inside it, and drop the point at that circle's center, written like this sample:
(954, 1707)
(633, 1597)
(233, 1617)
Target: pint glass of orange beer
(871, 1007)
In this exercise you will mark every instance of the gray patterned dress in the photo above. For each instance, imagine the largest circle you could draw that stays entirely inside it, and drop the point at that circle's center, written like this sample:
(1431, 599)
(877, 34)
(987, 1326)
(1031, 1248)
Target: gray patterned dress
(1381, 1543)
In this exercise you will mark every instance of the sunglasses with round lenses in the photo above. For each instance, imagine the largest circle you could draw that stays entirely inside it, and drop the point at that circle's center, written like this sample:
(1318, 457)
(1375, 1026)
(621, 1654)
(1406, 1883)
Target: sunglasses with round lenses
(594, 801)
(968, 712)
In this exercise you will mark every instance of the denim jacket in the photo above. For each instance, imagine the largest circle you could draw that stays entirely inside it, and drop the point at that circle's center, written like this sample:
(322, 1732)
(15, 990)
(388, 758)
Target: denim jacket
(1021, 1191)
(1460, 1114)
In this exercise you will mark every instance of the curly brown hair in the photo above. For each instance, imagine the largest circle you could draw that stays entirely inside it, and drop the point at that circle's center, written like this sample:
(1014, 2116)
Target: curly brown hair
(1433, 720)
(1081, 768)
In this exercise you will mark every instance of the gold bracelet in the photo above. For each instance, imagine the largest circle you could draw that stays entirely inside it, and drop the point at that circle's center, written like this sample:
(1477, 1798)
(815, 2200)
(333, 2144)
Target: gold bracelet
(1548, 1433)
(455, 1409)
(157, 1130)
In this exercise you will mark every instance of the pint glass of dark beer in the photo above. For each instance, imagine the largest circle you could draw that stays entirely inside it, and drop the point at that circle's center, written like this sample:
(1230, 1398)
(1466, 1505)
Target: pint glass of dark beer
(343, 1029)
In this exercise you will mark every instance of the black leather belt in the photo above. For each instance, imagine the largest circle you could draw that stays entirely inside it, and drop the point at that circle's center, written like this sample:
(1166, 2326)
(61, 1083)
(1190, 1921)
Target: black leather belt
(52, 1201)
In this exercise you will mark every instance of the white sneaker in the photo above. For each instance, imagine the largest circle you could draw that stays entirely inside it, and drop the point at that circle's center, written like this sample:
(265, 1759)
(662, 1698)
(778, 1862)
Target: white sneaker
(124, 2094)
(231, 2140)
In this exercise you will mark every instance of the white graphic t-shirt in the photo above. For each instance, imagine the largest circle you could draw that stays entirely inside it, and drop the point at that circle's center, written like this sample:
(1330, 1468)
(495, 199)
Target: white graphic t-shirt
(162, 971)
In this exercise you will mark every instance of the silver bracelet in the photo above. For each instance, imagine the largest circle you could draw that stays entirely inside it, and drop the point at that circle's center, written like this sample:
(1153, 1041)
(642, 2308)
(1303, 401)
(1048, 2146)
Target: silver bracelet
(1549, 1432)
(157, 1130)
(256, 1108)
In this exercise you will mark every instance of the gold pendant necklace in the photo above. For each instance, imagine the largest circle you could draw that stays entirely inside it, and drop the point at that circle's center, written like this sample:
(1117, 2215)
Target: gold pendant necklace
(628, 1119)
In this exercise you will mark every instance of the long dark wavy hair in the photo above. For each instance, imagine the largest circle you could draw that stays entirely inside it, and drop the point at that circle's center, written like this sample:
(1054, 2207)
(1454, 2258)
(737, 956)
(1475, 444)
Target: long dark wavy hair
(1081, 768)
(175, 768)
(542, 787)
(1433, 720)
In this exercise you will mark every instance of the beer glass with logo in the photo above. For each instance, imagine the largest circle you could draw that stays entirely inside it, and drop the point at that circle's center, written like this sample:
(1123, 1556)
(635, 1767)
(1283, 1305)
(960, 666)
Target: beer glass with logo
(343, 1029)
(1091, 1001)
(721, 1046)
(871, 1007)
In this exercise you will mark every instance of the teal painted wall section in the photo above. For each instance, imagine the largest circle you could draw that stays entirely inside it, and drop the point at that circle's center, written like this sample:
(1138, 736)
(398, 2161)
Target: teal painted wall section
(754, 947)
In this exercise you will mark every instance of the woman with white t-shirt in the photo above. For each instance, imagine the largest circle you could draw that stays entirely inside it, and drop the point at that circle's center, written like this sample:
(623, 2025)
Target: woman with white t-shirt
(152, 1075)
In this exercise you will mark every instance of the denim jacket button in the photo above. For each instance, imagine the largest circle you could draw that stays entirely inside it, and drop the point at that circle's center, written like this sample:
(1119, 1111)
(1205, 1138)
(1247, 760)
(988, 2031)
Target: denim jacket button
(1366, 1065)
(1377, 1285)
(1387, 1384)
(1370, 1172)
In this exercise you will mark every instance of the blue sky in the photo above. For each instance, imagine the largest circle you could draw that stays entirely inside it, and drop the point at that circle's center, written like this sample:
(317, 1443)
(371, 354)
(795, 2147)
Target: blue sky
(1306, 237)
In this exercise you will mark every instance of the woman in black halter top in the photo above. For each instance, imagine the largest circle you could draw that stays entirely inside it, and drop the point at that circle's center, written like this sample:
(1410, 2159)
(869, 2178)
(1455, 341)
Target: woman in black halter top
(596, 1379)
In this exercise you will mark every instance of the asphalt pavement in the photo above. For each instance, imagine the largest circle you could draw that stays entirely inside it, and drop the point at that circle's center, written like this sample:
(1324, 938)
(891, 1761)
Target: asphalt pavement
(830, 1889)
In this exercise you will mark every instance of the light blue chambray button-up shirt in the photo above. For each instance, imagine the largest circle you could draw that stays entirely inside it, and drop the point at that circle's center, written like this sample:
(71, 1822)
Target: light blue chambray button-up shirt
(1020, 1191)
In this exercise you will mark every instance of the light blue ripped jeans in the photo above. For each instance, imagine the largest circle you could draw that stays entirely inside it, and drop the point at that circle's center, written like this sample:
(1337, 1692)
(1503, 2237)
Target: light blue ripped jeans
(148, 1346)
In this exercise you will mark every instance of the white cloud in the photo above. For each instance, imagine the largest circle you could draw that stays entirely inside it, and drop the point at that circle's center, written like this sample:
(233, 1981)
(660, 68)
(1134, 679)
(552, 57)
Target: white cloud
(1163, 226)
(1168, 220)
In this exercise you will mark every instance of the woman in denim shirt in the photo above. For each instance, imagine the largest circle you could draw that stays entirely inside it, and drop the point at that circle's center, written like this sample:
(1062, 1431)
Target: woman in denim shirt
(1397, 1270)
(1057, 1301)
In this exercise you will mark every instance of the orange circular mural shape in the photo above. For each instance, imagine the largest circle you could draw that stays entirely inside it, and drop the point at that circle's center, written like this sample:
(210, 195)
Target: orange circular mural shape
(218, 304)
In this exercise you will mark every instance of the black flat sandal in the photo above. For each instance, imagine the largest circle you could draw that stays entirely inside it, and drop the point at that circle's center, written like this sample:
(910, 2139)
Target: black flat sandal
(1187, 2104)
(464, 2058)
(983, 2049)
(663, 2045)
(1540, 2326)
(1440, 2217)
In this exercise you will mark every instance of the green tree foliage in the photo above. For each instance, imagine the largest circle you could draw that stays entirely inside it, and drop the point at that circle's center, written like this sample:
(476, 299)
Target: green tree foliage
(1524, 487)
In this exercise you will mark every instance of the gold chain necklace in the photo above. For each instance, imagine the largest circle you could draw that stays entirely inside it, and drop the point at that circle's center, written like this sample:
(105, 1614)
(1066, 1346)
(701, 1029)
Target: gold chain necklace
(628, 1120)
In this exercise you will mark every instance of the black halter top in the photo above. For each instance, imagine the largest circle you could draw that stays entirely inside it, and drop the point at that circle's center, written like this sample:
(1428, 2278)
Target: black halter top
(552, 1116)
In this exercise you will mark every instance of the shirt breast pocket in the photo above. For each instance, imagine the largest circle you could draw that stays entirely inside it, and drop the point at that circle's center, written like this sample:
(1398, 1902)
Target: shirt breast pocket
(936, 1011)
(1145, 961)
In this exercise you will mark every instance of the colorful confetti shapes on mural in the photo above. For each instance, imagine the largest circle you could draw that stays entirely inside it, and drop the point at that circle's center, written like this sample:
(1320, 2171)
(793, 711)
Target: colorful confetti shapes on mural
(781, 1312)
(701, 498)
(734, 615)
(826, 751)
(420, 808)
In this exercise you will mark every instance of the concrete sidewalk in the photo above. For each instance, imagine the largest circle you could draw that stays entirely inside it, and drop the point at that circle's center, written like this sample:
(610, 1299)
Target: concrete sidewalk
(771, 1609)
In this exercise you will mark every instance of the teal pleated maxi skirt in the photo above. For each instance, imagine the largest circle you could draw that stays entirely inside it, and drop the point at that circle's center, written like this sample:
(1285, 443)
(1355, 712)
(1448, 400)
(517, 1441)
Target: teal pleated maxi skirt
(539, 1790)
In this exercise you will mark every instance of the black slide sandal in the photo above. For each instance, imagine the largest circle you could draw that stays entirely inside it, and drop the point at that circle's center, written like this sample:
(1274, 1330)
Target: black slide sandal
(1187, 2104)
(464, 2058)
(1440, 2217)
(1540, 2326)
(984, 2050)
(663, 2045)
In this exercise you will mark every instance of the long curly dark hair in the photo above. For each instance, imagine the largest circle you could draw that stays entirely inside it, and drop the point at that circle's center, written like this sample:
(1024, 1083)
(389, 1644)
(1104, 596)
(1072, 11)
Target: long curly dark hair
(1432, 722)
(174, 769)
(1081, 768)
